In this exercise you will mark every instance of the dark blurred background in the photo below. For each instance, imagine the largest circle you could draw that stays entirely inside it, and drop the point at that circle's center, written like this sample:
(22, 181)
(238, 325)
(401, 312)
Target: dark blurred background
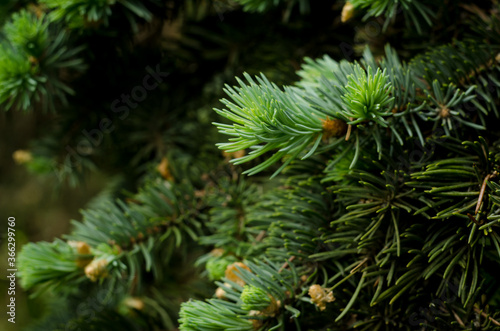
(203, 51)
(42, 211)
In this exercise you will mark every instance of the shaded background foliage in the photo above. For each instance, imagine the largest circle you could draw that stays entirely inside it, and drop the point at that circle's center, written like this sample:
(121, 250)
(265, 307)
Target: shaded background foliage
(202, 45)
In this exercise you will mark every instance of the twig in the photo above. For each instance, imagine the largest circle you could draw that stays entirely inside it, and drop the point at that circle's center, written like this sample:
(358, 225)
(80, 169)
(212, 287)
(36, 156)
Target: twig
(285, 265)
(359, 265)
(458, 319)
(486, 316)
(349, 128)
(260, 236)
(483, 189)
(473, 219)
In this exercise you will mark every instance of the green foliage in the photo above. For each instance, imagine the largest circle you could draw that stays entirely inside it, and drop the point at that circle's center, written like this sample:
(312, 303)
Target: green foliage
(293, 220)
(95, 10)
(32, 56)
(28, 33)
(385, 213)
(264, 5)
(52, 264)
(268, 286)
(216, 266)
(155, 216)
(254, 298)
(414, 11)
(155, 225)
(40, 165)
(441, 107)
(313, 69)
(87, 14)
(212, 315)
(473, 66)
(258, 5)
(367, 96)
(229, 203)
(349, 93)
(17, 85)
(267, 119)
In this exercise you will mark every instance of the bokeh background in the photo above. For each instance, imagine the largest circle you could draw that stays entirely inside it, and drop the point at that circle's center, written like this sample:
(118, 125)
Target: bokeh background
(204, 50)
(42, 208)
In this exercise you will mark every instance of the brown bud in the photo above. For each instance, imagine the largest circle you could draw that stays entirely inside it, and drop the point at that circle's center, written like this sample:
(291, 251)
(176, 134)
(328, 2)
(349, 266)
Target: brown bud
(217, 252)
(96, 269)
(220, 293)
(232, 271)
(22, 156)
(273, 308)
(320, 297)
(233, 155)
(33, 60)
(82, 248)
(257, 323)
(90, 23)
(38, 10)
(199, 193)
(164, 170)
(134, 303)
(347, 12)
(444, 112)
(333, 128)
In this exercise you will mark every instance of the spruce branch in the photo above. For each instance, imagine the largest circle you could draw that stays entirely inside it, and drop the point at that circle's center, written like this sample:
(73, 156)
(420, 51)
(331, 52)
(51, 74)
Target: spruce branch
(265, 5)
(367, 96)
(121, 236)
(90, 14)
(473, 65)
(444, 108)
(28, 32)
(33, 54)
(267, 118)
(461, 180)
(19, 81)
(389, 217)
(231, 203)
(53, 264)
(212, 315)
(257, 297)
(254, 298)
(414, 11)
(293, 219)
(312, 70)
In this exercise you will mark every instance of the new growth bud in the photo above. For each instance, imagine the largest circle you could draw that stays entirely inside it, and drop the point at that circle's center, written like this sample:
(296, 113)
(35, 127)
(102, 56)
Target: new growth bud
(254, 298)
(320, 296)
(232, 273)
(97, 269)
(216, 266)
(347, 12)
(83, 250)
